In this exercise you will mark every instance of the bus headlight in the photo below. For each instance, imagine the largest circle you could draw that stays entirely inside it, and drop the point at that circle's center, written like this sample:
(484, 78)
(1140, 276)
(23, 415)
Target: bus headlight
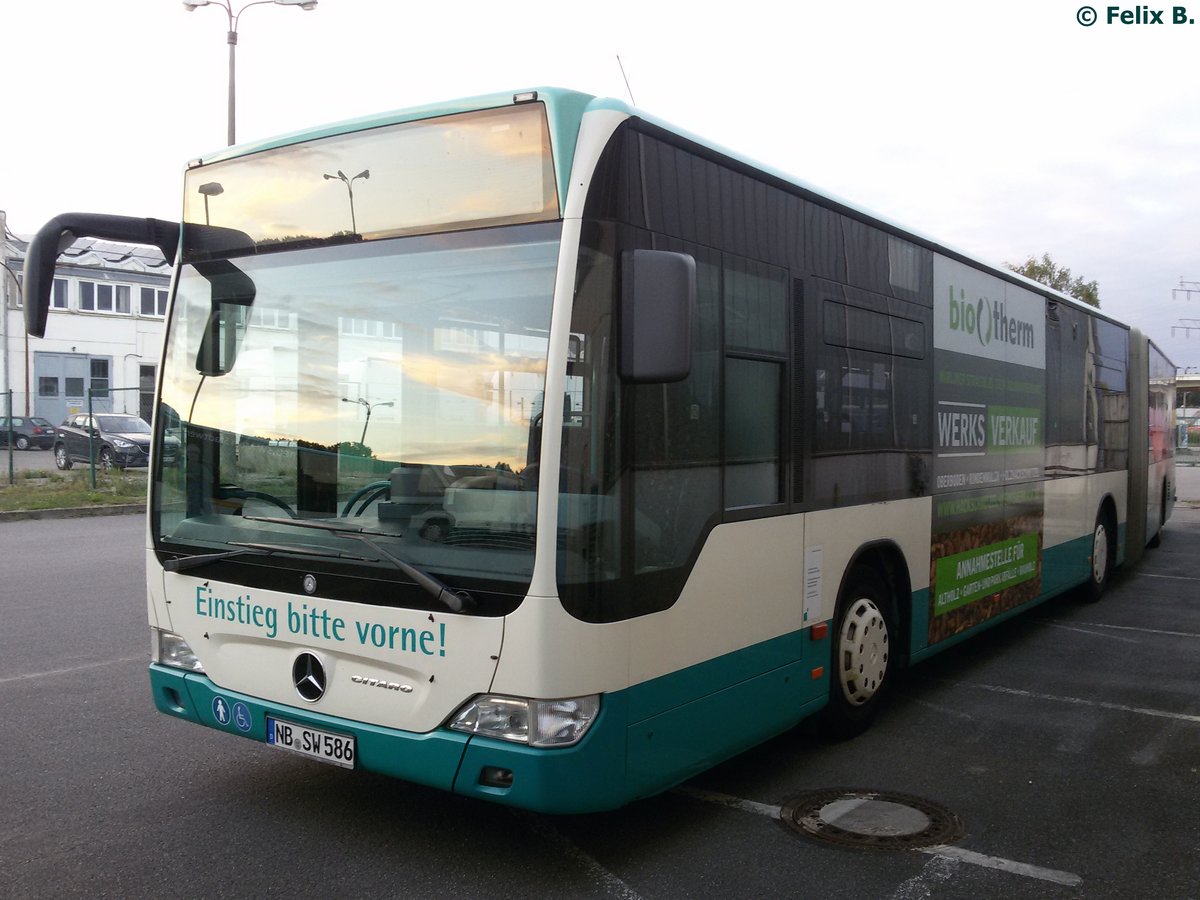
(538, 723)
(175, 651)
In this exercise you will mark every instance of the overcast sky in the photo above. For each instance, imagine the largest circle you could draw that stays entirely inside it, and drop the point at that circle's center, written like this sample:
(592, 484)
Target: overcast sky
(1002, 129)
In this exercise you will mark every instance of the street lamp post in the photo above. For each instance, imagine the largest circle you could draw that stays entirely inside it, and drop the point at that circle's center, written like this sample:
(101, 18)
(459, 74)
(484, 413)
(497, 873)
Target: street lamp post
(210, 189)
(349, 182)
(193, 5)
(368, 407)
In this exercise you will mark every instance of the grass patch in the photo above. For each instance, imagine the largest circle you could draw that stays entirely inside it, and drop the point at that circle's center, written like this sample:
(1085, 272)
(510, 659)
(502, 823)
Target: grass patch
(57, 490)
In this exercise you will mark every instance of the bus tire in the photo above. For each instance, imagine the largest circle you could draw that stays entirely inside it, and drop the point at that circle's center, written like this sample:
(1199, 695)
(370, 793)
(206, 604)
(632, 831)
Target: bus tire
(1104, 545)
(861, 656)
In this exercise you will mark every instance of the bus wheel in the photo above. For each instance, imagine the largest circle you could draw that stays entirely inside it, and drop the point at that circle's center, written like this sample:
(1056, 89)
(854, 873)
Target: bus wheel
(1103, 546)
(861, 653)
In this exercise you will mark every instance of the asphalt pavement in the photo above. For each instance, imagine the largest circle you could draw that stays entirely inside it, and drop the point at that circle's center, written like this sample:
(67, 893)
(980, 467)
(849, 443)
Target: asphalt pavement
(26, 461)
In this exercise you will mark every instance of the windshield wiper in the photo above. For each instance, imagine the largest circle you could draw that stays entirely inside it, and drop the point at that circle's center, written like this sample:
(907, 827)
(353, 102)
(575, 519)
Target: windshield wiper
(182, 563)
(454, 600)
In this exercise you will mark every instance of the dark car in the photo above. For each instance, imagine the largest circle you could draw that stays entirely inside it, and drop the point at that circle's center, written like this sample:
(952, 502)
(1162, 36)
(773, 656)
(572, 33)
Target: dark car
(117, 440)
(27, 432)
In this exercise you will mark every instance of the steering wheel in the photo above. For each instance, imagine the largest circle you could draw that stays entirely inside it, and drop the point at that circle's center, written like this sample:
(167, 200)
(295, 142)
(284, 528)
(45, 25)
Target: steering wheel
(230, 491)
(368, 495)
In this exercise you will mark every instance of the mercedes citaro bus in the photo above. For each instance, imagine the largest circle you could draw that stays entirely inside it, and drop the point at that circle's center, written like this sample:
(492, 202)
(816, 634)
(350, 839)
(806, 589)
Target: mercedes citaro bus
(557, 455)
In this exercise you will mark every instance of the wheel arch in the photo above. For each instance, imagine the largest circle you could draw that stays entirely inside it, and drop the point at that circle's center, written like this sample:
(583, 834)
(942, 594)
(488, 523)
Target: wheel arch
(887, 559)
(1107, 509)
(1108, 505)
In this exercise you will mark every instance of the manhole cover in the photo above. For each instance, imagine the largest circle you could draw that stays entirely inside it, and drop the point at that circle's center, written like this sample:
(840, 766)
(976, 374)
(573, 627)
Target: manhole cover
(872, 820)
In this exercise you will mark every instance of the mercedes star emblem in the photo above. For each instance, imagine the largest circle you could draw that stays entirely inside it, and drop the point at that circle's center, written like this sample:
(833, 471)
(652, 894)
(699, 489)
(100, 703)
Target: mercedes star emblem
(308, 675)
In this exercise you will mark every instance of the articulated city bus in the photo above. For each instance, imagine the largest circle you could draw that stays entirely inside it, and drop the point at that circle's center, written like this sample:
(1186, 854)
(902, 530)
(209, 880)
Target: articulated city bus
(557, 455)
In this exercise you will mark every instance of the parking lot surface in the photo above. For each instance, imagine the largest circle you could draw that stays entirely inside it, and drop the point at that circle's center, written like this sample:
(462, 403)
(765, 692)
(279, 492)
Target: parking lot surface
(26, 460)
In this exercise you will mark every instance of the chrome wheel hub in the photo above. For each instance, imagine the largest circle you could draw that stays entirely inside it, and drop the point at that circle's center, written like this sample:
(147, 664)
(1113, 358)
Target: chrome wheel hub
(862, 651)
(1099, 554)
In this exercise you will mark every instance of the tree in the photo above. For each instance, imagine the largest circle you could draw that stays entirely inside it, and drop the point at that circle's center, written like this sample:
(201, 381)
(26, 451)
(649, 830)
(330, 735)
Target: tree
(1046, 271)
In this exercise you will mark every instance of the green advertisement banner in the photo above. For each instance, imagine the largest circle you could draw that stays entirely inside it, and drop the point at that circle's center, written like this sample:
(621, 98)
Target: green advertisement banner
(979, 572)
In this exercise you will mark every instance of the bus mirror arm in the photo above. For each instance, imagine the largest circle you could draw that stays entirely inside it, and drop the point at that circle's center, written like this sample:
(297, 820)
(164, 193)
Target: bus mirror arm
(63, 230)
(657, 308)
(60, 232)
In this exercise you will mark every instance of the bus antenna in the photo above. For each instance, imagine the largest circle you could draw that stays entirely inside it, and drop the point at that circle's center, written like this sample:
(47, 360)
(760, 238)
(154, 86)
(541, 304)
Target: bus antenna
(628, 89)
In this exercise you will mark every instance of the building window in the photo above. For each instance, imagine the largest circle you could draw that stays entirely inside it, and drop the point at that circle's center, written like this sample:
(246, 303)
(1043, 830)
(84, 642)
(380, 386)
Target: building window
(99, 372)
(58, 297)
(106, 298)
(146, 379)
(47, 386)
(16, 296)
(154, 302)
(272, 318)
(74, 387)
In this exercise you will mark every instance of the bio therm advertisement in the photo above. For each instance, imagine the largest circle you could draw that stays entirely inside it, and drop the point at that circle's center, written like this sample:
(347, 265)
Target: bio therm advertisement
(989, 397)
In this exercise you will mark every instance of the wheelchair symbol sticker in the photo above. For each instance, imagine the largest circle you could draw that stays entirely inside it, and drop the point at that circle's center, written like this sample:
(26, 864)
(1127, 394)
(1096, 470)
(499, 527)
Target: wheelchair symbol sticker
(241, 716)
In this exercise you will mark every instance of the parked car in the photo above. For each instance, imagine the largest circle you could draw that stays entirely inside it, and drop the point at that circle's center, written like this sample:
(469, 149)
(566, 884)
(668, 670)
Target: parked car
(27, 432)
(117, 440)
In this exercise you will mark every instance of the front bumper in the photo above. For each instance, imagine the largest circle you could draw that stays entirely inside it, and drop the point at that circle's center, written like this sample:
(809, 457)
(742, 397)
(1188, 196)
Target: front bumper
(131, 459)
(587, 777)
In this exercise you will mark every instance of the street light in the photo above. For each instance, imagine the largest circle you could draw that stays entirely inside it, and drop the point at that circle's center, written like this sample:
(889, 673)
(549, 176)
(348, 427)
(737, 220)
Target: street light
(210, 189)
(349, 182)
(193, 5)
(368, 407)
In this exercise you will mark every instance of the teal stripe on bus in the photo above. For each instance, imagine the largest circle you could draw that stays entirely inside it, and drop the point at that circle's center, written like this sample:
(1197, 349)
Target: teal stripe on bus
(677, 688)
(646, 738)
(431, 759)
(683, 742)
(659, 733)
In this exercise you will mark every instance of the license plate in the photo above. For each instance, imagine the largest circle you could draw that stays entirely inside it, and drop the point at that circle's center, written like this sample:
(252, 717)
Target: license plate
(337, 749)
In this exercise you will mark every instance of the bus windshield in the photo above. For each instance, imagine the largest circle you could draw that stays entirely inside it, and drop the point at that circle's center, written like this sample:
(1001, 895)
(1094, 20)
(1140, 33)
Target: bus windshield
(451, 173)
(393, 386)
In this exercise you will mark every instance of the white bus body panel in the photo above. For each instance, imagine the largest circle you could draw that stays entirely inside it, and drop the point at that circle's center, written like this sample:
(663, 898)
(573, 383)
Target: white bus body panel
(397, 668)
(1071, 505)
(1160, 478)
(548, 653)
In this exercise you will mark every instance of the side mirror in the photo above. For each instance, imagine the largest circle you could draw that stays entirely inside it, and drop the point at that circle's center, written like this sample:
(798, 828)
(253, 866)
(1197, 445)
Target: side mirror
(59, 233)
(657, 306)
(232, 295)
